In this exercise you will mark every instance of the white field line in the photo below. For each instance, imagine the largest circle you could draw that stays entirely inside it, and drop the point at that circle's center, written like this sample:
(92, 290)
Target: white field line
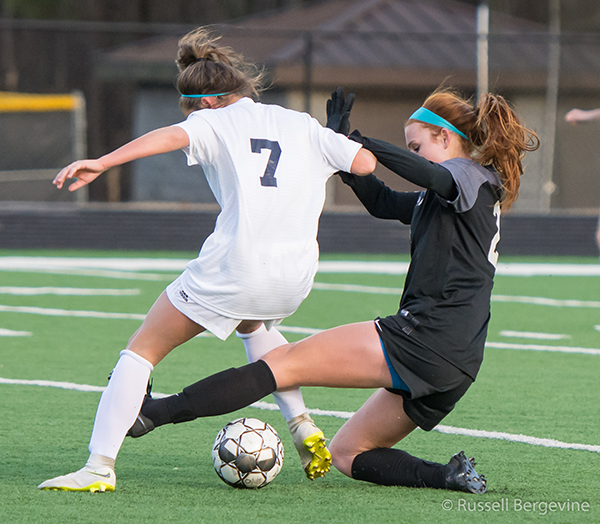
(54, 312)
(529, 334)
(538, 301)
(541, 301)
(524, 439)
(11, 333)
(353, 266)
(35, 264)
(103, 273)
(71, 291)
(355, 288)
(548, 270)
(509, 269)
(536, 347)
(115, 264)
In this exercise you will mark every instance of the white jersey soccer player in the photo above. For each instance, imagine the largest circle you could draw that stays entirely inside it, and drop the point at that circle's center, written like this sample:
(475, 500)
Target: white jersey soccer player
(267, 167)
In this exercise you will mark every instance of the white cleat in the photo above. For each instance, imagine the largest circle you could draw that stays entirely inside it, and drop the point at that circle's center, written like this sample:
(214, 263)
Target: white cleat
(85, 479)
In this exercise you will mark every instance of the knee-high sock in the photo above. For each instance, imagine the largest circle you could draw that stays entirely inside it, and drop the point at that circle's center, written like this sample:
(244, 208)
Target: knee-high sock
(394, 467)
(120, 404)
(221, 393)
(259, 343)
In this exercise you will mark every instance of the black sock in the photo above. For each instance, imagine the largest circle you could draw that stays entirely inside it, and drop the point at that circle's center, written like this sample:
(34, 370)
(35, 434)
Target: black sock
(221, 393)
(394, 467)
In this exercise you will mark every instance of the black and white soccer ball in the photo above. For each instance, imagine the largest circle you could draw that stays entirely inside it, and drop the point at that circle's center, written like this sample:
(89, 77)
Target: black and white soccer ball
(247, 453)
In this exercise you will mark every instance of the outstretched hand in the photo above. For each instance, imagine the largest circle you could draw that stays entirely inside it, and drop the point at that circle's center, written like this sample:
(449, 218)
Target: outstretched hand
(83, 170)
(575, 115)
(338, 111)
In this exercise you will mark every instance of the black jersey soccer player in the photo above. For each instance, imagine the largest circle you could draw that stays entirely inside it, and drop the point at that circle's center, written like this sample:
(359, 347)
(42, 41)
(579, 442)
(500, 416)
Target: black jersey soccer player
(425, 357)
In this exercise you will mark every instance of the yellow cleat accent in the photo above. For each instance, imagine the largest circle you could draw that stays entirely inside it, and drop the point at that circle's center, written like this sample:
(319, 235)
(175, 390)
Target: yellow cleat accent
(320, 462)
(311, 446)
(97, 487)
(83, 480)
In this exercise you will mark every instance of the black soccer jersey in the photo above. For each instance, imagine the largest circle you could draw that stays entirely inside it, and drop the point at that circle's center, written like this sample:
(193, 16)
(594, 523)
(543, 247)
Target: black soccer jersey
(445, 305)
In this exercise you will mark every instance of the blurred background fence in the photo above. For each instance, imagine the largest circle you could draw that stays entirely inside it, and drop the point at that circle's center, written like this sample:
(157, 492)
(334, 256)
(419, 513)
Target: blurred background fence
(391, 53)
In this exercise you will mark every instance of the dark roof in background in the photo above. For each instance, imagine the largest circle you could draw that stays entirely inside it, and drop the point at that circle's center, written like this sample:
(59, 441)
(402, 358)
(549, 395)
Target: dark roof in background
(397, 43)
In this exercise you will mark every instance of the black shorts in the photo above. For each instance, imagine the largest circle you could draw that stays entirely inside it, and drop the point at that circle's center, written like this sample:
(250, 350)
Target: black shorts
(435, 384)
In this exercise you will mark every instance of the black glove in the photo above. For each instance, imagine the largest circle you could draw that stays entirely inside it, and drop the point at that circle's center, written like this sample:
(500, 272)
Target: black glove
(338, 111)
(348, 178)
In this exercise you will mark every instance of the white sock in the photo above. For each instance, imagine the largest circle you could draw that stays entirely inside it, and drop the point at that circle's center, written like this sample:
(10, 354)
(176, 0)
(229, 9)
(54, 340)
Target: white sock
(99, 462)
(120, 404)
(259, 343)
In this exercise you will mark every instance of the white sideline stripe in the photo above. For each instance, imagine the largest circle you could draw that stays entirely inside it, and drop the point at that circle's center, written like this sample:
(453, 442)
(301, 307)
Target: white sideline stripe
(123, 275)
(121, 264)
(325, 266)
(355, 288)
(529, 334)
(535, 347)
(29, 291)
(525, 439)
(541, 301)
(286, 329)
(54, 312)
(509, 269)
(354, 266)
(11, 333)
(548, 270)
(538, 301)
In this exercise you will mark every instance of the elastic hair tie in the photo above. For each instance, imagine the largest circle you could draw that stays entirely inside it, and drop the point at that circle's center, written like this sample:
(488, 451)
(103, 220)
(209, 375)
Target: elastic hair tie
(204, 96)
(429, 117)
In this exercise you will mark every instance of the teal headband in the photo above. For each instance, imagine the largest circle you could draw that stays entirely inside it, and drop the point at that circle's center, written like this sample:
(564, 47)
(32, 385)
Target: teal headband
(203, 96)
(429, 117)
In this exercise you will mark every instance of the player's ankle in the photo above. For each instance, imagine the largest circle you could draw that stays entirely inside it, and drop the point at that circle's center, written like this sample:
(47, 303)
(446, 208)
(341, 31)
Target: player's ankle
(96, 462)
(294, 424)
(157, 410)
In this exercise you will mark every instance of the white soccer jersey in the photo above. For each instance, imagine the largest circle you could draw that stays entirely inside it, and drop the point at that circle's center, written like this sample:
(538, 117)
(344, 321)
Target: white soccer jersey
(267, 167)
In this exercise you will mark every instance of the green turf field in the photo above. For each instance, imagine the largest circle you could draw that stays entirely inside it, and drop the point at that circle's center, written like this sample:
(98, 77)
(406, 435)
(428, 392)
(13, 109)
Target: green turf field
(523, 419)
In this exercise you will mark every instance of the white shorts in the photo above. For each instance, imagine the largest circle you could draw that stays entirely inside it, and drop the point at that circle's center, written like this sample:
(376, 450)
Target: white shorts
(216, 323)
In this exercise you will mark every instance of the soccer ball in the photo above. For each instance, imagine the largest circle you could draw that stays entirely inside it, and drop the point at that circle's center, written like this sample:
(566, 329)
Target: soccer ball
(247, 453)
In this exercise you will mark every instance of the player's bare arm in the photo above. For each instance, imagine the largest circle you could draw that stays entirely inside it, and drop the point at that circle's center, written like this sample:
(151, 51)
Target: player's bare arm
(364, 162)
(581, 115)
(163, 140)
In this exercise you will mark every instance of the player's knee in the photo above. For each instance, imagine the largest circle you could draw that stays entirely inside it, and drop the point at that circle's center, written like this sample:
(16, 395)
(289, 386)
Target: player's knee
(282, 362)
(341, 456)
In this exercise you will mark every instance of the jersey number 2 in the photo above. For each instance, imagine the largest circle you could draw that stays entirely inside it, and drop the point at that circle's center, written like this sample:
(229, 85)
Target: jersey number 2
(258, 144)
(493, 254)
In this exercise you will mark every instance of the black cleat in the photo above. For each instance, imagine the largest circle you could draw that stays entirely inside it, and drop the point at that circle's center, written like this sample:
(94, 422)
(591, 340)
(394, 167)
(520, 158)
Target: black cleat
(462, 475)
(142, 424)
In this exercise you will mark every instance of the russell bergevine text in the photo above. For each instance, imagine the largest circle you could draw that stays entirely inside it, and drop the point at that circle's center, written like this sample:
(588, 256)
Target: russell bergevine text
(541, 507)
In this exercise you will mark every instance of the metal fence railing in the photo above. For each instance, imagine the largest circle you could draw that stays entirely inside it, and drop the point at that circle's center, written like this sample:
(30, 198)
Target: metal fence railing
(108, 61)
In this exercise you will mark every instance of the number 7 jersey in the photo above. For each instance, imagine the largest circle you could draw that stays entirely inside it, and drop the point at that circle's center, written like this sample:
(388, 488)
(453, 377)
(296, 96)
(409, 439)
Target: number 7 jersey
(267, 167)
